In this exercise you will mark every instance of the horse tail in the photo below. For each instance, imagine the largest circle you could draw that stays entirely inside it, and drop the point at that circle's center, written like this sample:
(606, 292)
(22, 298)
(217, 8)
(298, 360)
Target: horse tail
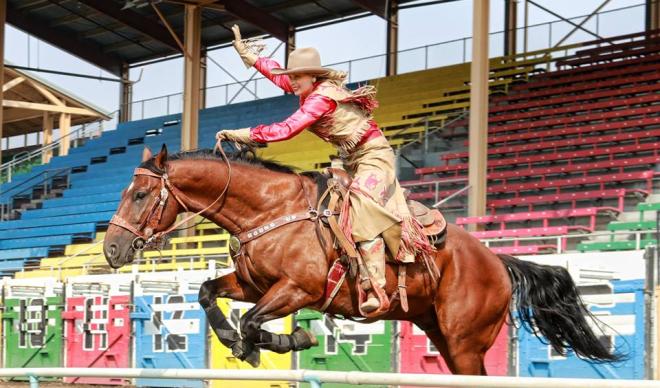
(549, 305)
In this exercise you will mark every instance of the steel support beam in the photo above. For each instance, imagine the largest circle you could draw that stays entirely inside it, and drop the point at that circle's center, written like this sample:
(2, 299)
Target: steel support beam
(652, 15)
(257, 17)
(510, 24)
(377, 7)
(290, 45)
(125, 95)
(133, 20)
(478, 132)
(563, 18)
(191, 80)
(3, 17)
(68, 42)
(203, 70)
(594, 13)
(392, 37)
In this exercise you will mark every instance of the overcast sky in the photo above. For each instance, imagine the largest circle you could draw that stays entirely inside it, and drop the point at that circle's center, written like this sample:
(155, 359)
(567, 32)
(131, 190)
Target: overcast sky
(340, 42)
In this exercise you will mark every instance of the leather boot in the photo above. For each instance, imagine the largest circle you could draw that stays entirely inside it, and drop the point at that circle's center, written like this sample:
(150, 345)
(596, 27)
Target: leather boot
(373, 253)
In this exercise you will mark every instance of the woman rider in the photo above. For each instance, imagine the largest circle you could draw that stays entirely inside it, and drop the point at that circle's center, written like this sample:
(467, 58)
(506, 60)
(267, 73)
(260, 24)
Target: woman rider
(378, 216)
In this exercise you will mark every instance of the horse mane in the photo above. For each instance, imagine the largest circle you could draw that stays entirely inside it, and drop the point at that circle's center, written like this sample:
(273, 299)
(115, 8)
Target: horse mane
(247, 156)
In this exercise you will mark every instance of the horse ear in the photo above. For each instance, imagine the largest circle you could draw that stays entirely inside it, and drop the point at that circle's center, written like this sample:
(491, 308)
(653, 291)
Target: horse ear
(161, 158)
(146, 154)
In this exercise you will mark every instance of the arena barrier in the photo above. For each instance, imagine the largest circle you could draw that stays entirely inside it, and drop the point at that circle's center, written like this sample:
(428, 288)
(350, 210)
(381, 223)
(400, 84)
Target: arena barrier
(317, 378)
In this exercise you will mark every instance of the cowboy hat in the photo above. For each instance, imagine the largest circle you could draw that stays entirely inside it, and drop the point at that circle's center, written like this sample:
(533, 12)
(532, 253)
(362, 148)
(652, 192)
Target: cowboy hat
(303, 61)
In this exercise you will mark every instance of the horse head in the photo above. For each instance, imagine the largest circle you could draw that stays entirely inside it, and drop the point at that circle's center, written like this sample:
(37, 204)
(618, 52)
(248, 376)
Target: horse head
(143, 212)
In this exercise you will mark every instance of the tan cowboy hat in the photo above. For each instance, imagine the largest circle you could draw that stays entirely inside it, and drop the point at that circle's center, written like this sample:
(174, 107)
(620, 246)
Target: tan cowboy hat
(303, 61)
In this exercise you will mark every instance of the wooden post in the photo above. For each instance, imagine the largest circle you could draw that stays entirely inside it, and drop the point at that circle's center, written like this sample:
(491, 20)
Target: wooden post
(478, 136)
(392, 37)
(47, 138)
(3, 18)
(191, 82)
(65, 126)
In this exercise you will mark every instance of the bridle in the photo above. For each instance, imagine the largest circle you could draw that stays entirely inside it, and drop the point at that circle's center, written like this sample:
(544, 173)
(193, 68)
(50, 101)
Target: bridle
(146, 237)
(144, 233)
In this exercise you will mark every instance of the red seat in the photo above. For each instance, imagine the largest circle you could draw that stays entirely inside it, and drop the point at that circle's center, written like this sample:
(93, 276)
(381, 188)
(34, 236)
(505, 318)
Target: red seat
(555, 145)
(523, 249)
(529, 161)
(580, 130)
(529, 232)
(571, 198)
(575, 108)
(512, 99)
(498, 111)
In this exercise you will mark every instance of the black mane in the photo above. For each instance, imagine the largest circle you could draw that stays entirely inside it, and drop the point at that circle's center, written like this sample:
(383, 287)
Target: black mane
(247, 156)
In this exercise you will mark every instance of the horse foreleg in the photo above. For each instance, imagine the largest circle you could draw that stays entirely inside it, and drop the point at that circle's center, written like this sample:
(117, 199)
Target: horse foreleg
(229, 287)
(282, 299)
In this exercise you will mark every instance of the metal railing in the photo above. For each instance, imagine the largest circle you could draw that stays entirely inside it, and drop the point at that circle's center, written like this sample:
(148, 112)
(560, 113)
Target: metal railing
(318, 377)
(539, 36)
(42, 180)
(29, 158)
(563, 239)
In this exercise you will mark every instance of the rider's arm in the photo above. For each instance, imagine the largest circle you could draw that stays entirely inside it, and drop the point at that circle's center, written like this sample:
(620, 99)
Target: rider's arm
(264, 65)
(312, 109)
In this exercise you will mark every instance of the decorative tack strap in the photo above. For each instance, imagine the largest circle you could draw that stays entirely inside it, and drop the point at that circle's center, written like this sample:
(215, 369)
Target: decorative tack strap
(116, 220)
(285, 220)
(336, 278)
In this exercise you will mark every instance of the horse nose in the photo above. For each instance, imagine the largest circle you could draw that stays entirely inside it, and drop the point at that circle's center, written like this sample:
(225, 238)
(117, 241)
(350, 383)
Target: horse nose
(112, 251)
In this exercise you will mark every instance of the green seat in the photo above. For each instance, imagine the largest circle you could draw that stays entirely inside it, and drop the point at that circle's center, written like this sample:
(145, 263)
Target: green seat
(634, 225)
(613, 245)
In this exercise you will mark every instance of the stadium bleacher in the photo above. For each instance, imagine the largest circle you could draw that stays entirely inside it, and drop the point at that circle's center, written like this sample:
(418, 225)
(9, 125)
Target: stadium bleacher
(568, 149)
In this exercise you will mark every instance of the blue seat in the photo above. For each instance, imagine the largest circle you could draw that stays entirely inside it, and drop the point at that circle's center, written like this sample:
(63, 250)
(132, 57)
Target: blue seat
(97, 217)
(69, 210)
(108, 187)
(74, 229)
(32, 242)
(110, 196)
(23, 253)
(9, 266)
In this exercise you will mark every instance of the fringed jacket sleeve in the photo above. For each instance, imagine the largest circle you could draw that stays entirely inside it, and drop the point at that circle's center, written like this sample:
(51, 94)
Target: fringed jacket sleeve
(312, 109)
(264, 65)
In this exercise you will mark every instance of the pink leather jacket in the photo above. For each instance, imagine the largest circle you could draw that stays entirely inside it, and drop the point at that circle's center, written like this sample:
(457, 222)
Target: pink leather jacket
(313, 108)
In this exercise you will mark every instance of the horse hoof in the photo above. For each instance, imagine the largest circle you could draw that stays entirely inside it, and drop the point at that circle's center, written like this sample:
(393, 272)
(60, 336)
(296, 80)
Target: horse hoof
(254, 358)
(304, 339)
(248, 353)
(239, 350)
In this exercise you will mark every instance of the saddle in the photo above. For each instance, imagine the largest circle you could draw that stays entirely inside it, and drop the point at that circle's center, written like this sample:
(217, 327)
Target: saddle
(433, 224)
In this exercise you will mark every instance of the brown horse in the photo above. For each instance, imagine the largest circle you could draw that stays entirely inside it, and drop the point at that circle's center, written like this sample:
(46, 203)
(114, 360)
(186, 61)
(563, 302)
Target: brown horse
(285, 270)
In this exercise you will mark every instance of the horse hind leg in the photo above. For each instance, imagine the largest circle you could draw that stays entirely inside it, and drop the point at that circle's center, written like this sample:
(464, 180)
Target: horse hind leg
(459, 361)
(461, 353)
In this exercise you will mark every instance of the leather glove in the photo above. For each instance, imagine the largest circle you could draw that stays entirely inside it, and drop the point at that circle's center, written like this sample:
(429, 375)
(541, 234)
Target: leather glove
(241, 136)
(249, 58)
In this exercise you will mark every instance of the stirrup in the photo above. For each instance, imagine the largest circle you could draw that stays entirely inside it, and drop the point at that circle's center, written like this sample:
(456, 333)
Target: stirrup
(370, 305)
(380, 294)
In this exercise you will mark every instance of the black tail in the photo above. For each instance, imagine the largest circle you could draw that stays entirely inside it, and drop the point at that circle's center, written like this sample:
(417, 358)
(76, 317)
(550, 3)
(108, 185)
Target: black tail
(549, 305)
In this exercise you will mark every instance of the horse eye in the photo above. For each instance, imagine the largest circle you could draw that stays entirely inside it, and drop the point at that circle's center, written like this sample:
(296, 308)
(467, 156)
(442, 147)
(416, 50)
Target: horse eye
(139, 195)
